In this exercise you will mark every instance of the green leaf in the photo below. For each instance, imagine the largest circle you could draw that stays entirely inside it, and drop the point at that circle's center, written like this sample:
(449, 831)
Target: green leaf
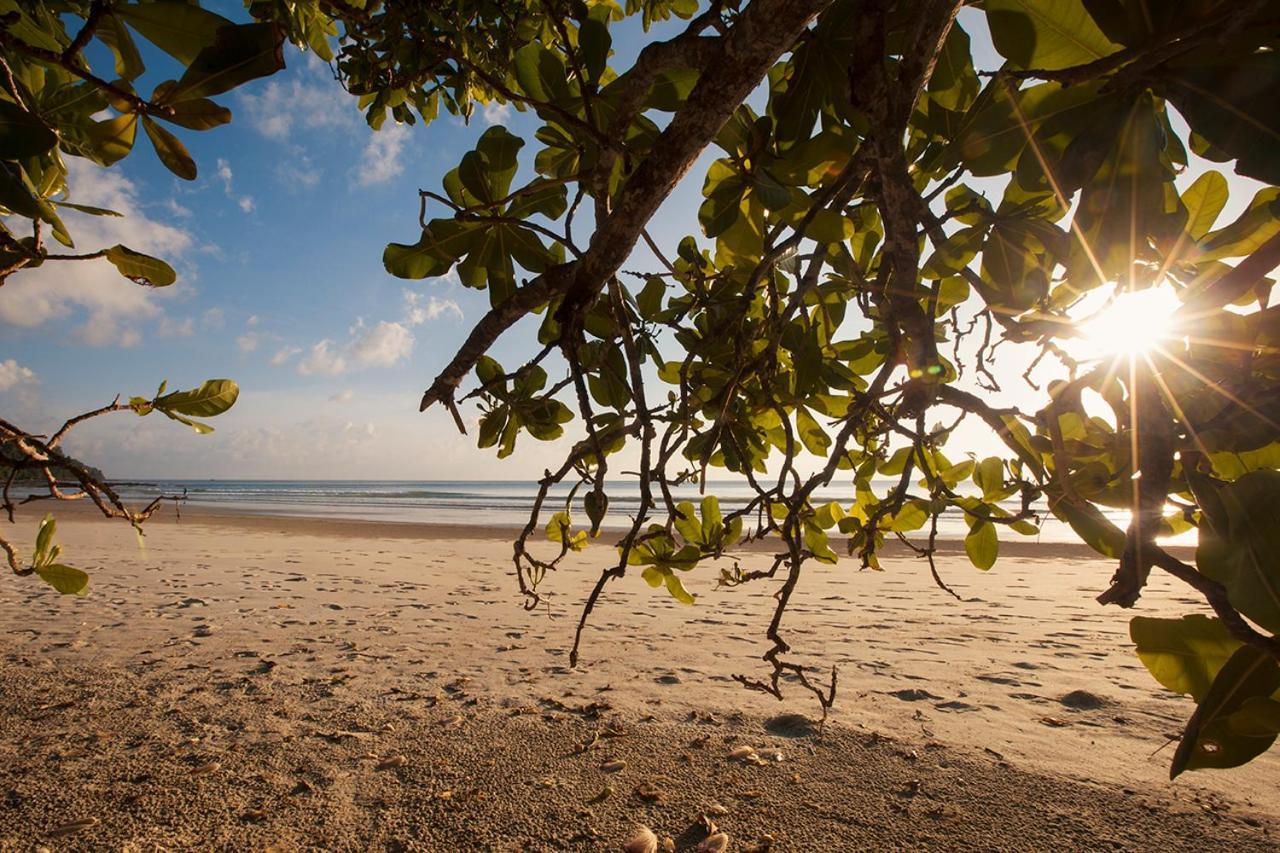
(955, 253)
(491, 427)
(23, 134)
(954, 83)
(434, 254)
(541, 73)
(594, 41)
(141, 268)
(1258, 223)
(982, 543)
(670, 89)
(1047, 34)
(1089, 524)
(1204, 200)
(773, 195)
(181, 30)
(1183, 654)
(653, 576)
(1230, 100)
(112, 140)
(687, 524)
(488, 370)
(16, 192)
(115, 35)
(89, 209)
(912, 516)
(677, 590)
(213, 397)
(597, 505)
(812, 435)
(201, 428)
(1259, 716)
(540, 198)
(172, 153)
(1210, 739)
(649, 299)
(64, 579)
(1130, 200)
(44, 538)
(817, 541)
(559, 529)
(198, 114)
(487, 172)
(1239, 543)
(239, 53)
(988, 475)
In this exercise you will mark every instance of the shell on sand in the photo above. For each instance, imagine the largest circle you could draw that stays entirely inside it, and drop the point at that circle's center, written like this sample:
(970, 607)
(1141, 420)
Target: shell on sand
(613, 766)
(641, 840)
(742, 752)
(715, 843)
(73, 826)
(393, 761)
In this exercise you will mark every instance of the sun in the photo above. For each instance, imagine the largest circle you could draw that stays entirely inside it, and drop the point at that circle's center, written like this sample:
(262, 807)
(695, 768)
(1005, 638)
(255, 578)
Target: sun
(1132, 323)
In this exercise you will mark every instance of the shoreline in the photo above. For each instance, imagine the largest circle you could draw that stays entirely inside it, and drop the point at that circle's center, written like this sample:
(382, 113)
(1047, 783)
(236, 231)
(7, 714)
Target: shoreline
(206, 515)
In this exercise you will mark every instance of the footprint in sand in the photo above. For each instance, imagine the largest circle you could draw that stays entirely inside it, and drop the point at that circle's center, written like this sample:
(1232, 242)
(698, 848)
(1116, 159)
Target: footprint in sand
(956, 705)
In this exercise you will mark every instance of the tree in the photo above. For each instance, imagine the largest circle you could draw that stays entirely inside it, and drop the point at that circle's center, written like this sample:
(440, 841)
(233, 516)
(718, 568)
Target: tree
(50, 99)
(883, 220)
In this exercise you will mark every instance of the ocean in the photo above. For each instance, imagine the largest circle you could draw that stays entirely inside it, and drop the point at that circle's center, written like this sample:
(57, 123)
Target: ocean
(502, 503)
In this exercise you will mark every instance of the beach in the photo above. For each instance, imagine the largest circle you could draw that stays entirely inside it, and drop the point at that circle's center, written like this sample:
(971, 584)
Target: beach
(247, 682)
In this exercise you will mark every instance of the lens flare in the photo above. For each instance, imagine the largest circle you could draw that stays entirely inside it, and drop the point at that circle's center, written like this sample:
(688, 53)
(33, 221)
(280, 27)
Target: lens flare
(1133, 323)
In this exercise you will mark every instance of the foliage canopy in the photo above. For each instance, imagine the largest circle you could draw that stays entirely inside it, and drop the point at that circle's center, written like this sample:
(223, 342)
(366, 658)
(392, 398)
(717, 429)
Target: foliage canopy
(883, 222)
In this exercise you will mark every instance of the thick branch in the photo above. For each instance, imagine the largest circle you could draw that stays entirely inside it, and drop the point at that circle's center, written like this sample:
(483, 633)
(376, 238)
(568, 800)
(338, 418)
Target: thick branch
(763, 32)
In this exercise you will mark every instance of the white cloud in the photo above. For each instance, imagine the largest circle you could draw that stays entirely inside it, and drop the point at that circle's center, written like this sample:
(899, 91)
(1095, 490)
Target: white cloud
(172, 205)
(322, 360)
(110, 304)
(382, 346)
(13, 374)
(343, 397)
(248, 342)
(381, 158)
(419, 308)
(297, 170)
(212, 319)
(284, 355)
(307, 101)
(285, 105)
(495, 113)
(252, 321)
(225, 175)
(173, 328)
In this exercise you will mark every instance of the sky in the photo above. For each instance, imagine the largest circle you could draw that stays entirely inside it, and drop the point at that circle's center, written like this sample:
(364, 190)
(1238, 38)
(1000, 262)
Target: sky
(278, 246)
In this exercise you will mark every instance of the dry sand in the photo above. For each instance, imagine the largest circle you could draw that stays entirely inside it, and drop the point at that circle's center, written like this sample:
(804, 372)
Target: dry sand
(249, 682)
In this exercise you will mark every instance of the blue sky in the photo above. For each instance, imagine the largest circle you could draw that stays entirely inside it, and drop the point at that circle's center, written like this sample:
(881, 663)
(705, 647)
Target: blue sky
(278, 244)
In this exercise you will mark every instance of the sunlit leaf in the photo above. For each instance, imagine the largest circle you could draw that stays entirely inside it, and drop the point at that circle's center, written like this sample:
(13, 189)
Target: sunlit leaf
(64, 579)
(212, 397)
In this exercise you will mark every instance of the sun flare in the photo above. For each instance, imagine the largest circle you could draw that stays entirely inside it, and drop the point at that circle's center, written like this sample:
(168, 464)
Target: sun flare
(1134, 322)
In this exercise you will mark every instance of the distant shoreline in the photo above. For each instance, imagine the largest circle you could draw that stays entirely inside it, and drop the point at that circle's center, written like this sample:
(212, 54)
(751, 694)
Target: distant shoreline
(343, 527)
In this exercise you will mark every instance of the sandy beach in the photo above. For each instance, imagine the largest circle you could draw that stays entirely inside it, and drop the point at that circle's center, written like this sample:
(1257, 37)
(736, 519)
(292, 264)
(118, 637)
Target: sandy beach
(272, 683)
